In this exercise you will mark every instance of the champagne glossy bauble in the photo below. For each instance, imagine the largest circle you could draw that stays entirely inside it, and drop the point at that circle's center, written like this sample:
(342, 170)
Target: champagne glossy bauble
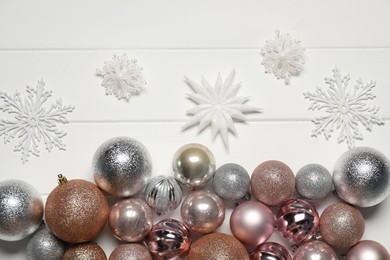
(368, 249)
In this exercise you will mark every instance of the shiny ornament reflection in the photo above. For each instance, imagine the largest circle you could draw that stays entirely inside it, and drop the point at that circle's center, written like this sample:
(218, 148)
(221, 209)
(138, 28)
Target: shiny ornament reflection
(231, 182)
(368, 249)
(217, 246)
(163, 194)
(252, 223)
(76, 211)
(341, 225)
(169, 239)
(272, 182)
(362, 176)
(202, 211)
(297, 220)
(21, 210)
(313, 182)
(194, 165)
(130, 220)
(44, 245)
(271, 251)
(130, 252)
(122, 166)
(86, 251)
(315, 250)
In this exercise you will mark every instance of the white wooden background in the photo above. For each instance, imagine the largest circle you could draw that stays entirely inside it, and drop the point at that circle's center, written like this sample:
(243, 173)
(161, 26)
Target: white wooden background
(63, 42)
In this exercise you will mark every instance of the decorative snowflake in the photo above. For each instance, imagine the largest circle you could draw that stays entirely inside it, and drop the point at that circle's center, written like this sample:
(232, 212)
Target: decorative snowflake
(122, 77)
(346, 108)
(283, 56)
(218, 106)
(33, 122)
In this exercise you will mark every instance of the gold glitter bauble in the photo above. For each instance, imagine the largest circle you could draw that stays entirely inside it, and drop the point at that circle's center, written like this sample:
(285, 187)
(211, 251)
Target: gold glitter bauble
(217, 246)
(76, 211)
(86, 251)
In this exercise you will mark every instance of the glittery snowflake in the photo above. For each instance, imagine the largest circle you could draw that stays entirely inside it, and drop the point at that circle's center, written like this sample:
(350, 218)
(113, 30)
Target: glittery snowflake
(218, 106)
(283, 56)
(122, 77)
(32, 121)
(346, 108)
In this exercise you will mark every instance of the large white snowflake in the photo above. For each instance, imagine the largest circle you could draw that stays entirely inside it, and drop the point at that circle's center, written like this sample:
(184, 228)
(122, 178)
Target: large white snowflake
(122, 77)
(345, 108)
(32, 121)
(283, 56)
(218, 106)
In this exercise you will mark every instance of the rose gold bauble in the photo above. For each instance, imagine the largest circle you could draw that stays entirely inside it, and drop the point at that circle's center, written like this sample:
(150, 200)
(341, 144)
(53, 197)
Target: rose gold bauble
(315, 250)
(341, 225)
(272, 182)
(130, 252)
(217, 246)
(84, 251)
(271, 251)
(368, 249)
(76, 211)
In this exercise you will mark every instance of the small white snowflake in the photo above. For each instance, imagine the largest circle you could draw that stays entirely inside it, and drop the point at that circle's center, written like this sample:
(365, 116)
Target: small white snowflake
(32, 121)
(122, 77)
(345, 108)
(218, 106)
(283, 56)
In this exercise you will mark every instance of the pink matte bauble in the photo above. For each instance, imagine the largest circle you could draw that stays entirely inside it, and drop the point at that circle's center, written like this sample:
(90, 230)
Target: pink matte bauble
(252, 223)
(272, 182)
(315, 250)
(368, 249)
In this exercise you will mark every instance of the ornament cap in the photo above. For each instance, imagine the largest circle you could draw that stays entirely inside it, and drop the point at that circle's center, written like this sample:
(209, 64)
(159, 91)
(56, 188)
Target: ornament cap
(61, 179)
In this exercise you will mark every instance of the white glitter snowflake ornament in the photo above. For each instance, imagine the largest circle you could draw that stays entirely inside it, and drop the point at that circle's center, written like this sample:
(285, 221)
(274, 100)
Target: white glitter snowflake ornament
(122, 77)
(32, 121)
(346, 108)
(218, 106)
(283, 56)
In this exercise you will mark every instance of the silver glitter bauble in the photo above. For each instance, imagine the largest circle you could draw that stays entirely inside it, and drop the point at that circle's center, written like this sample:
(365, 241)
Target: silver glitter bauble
(231, 182)
(362, 176)
(163, 194)
(313, 182)
(21, 210)
(44, 245)
(194, 165)
(122, 166)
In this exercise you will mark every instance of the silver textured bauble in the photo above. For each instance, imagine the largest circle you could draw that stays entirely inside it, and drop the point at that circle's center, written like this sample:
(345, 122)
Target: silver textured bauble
(231, 182)
(313, 182)
(194, 165)
(362, 176)
(163, 194)
(122, 166)
(21, 210)
(44, 245)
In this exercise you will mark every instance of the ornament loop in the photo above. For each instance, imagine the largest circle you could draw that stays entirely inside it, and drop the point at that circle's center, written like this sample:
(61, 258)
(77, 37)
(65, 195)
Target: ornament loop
(61, 179)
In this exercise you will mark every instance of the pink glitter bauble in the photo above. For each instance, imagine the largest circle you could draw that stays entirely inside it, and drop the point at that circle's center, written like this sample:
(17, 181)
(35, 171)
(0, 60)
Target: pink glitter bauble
(272, 251)
(297, 220)
(169, 239)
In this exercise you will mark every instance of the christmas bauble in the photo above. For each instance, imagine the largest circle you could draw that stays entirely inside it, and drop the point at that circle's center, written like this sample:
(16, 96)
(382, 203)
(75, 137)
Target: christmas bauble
(272, 182)
(368, 249)
(86, 251)
(216, 246)
(362, 176)
(130, 220)
(202, 211)
(252, 223)
(315, 250)
(21, 210)
(297, 220)
(271, 251)
(231, 182)
(122, 166)
(194, 165)
(169, 239)
(76, 211)
(163, 194)
(341, 225)
(130, 252)
(313, 182)
(44, 245)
